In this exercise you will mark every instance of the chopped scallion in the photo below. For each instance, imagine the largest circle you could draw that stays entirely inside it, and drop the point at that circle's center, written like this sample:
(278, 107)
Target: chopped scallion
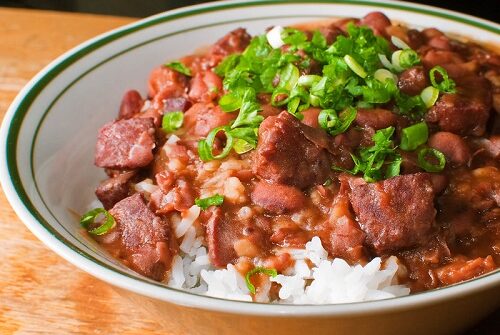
(336, 124)
(88, 219)
(382, 75)
(446, 84)
(429, 166)
(354, 66)
(205, 147)
(399, 43)
(429, 96)
(172, 121)
(268, 272)
(414, 136)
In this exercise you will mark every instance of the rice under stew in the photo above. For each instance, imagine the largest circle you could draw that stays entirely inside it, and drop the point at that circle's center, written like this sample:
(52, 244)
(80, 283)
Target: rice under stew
(333, 162)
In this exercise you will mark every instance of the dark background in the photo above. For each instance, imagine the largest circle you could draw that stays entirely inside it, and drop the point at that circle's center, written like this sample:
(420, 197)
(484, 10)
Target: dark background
(488, 9)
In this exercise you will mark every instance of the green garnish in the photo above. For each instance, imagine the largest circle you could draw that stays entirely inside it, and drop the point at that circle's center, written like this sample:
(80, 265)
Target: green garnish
(413, 136)
(270, 272)
(205, 147)
(179, 67)
(429, 166)
(172, 121)
(378, 161)
(214, 200)
(446, 85)
(88, 219)
(336, 124)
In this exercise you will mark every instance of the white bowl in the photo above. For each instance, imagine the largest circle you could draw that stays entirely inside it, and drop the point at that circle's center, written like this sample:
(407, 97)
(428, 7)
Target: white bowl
(49, 132)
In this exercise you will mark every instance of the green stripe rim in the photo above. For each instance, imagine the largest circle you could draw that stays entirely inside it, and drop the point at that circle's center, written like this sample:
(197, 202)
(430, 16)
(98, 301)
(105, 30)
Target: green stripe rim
(53, 70)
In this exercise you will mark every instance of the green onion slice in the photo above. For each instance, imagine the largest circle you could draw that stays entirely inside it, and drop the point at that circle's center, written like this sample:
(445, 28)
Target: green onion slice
(308, 80)
(336, 124)
(399, 43)
(429, 96)
(446, 85)
(179, 67)
(354, 66)
(205, 147)
(383, 74)
(88, 218)
(385, 61)
(413, 136)
(429, 166)
(270, 272)
(172, 121)
(214, 200)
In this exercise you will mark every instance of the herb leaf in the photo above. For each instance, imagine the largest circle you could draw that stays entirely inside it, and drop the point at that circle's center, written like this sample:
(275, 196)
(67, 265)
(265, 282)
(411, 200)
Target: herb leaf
(214, 200)
(179, 67)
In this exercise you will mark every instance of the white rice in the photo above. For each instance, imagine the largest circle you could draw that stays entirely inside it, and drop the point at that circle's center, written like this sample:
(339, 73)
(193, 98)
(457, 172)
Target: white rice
(327, 282)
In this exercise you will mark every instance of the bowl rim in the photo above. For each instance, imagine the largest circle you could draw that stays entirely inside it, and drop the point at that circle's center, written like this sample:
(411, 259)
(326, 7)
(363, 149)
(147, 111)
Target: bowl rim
(27, 212)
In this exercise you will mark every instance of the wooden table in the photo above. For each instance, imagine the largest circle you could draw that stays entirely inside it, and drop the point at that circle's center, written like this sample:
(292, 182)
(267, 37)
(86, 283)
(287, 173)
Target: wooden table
(39, 291)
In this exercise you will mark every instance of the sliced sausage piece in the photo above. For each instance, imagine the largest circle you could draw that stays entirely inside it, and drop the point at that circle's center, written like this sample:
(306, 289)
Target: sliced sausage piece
(412, 81)
(205, 87)
(377, 21)
(167, 82)
(234, 42)
(179, 104)
(112, 190)
(291, 153)
(376, 118)
(452, 146)
(144, 238)
(131, 104)
(395, 213)
(201, 118)
(277, 198)
(125, 144)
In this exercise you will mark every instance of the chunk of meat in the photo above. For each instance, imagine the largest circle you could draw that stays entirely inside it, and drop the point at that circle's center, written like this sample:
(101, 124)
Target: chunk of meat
(376, 118)
(291, 153)
(167, 83)
(452, 146)
(112, 190)
(330, 33)
(277, 198)
(457, 114)
(412, 81)
(224, 233)
(125, 144)
(201, 118)
(462, 269)
(395, 213)
(311, 117)
(178, 196)
(144, 238)
(377, 21)
(131, 105)
(344, 237)
(234, 42)
(205, 87)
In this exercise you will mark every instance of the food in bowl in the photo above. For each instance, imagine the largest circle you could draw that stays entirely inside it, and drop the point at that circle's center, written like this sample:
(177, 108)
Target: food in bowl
(345, 161)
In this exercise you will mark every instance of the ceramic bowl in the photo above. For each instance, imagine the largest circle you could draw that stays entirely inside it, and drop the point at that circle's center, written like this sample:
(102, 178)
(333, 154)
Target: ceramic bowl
(47, 171)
